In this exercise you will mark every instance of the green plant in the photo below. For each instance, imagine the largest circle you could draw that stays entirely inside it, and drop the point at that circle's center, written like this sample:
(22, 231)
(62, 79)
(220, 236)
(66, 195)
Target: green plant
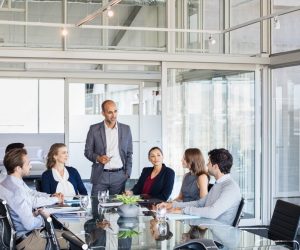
(127, 234)
(133, 199)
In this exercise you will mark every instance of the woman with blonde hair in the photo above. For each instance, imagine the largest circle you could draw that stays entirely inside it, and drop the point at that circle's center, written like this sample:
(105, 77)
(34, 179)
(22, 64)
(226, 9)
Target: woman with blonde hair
(195, 182)
(61, 178)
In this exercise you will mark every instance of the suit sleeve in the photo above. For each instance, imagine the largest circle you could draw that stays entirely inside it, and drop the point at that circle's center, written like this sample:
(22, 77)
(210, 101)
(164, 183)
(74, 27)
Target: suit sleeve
(129, 153)
(137, 189)
(80, 185)
(46, 186)
(168, 187)
(89, 147)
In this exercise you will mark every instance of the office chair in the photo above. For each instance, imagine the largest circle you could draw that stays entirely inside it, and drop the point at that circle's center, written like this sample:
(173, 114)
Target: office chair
(283, 226)
(197, 244)
(38, 184)
(7, 230)
(52, 242)
(75, 243)
(210, 185)
(238, 216)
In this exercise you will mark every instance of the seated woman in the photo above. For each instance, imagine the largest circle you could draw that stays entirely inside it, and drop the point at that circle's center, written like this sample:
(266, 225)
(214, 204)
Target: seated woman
(195, 182)
(155, 182)
(60, 178)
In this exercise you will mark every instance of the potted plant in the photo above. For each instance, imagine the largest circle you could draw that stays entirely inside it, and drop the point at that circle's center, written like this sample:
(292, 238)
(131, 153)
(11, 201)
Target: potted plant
(129, 207)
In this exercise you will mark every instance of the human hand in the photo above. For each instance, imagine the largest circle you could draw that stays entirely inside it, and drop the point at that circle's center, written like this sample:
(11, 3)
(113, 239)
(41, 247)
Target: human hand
(128, 192)
(103, 159)
(176, 210)
(43, 213)
(59, 196)
(167, 205)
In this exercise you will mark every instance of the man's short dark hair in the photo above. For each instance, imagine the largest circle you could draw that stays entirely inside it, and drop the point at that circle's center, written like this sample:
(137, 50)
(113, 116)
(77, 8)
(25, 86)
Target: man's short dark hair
(13, 146)
(222, 158)
(14, 158)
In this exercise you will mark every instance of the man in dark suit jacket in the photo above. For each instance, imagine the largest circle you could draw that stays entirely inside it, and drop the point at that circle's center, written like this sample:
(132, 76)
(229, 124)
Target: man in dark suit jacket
(109, 147)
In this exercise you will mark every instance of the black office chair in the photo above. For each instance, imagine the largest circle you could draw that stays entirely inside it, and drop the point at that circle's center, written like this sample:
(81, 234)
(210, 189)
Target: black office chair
(283, 226)
(38, 184)
(52, 242)
(74, 241)
(238, 216)
(197, 244)
(210, 185)
(7, 230)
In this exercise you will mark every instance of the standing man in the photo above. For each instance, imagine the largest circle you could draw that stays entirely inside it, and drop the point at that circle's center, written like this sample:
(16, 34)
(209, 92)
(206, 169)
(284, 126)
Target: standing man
(109, 147)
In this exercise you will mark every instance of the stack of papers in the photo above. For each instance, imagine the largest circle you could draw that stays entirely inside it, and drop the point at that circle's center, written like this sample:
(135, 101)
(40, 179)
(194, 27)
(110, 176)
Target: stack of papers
(111, 204)
(62, 210)
(171, 216)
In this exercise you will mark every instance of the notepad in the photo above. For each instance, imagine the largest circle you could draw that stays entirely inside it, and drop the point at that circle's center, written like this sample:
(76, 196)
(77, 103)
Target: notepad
(174, 216)
(111, 204)
(61, 210)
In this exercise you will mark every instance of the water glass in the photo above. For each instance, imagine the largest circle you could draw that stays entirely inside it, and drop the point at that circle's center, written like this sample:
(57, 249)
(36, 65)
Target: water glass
(161, 213)
(84, 201)
(162, 228)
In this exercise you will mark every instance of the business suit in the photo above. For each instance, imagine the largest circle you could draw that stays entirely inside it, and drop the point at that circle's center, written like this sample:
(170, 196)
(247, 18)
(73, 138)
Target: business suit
(162, 186)
(96, 146)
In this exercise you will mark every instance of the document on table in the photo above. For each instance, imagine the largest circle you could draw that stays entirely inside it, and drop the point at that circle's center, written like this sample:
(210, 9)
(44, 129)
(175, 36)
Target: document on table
(62, 210)
(174, 216)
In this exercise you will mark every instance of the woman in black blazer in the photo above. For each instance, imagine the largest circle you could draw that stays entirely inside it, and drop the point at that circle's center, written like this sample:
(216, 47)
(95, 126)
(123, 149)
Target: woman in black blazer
(155, 182)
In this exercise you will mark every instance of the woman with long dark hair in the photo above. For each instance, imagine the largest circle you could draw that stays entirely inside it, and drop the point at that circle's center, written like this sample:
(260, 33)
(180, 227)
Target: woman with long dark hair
(195, 182)
(157, 181)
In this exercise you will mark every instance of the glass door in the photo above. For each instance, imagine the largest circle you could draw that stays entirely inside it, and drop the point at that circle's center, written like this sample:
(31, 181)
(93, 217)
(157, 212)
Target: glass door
(214, 108)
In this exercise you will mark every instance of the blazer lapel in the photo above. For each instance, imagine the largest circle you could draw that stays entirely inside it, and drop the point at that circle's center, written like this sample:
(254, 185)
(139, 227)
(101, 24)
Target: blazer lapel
(102, 134)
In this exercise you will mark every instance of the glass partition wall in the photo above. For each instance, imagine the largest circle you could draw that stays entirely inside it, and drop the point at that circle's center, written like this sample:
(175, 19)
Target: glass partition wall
(286, 151)
(211, 109)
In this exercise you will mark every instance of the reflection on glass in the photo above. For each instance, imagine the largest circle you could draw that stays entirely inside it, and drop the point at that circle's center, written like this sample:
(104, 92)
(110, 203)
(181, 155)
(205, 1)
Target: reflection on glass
(211, 109)
(287, 123)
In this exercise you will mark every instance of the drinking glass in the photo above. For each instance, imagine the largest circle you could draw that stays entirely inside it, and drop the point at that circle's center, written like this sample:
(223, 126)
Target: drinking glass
(84, 202)
(161, 213)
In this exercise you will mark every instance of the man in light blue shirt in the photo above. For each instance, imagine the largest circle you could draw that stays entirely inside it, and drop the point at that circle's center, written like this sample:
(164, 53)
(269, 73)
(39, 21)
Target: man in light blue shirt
(222, 201)
(21, 199)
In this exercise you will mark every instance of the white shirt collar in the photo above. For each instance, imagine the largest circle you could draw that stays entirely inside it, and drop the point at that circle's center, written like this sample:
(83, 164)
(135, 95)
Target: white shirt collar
(223, 178)
(115, 127)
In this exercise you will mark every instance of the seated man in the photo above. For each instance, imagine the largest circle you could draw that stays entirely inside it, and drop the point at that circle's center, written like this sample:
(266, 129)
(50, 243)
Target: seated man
(22, 200)
(222, 201)
(8, 148)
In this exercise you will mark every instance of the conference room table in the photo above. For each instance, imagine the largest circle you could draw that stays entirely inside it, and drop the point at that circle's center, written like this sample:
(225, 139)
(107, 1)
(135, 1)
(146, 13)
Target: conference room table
(103, 228)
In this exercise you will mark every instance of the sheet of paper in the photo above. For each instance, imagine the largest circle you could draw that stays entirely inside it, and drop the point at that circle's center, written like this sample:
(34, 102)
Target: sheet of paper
(171, 216)
(111, 204)
(61, 210)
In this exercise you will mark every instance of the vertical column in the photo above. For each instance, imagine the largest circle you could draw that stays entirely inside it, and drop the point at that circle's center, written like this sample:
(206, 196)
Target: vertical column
(265, 28)
(171, 41)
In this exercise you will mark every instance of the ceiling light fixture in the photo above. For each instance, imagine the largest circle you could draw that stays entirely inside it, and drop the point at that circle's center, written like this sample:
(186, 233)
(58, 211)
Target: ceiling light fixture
(110, 12)
(211, 40)
(276, 23)
(97, 12)
(64, 32)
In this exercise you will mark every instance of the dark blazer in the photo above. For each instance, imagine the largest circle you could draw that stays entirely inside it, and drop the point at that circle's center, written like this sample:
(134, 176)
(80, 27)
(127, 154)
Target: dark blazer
(96, 145)
(162, 186)
(49, 184)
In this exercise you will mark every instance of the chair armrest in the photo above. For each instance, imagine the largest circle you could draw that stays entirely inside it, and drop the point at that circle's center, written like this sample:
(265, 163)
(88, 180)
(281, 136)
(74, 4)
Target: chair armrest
(74, 240)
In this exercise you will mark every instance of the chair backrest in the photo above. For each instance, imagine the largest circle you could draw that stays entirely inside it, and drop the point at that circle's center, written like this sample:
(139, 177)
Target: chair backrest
(8, 233)
(52, 242)
(210, 185)
(238, 216)
(199, 244)
(38, 184)
(75, 243)
(284, 222)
